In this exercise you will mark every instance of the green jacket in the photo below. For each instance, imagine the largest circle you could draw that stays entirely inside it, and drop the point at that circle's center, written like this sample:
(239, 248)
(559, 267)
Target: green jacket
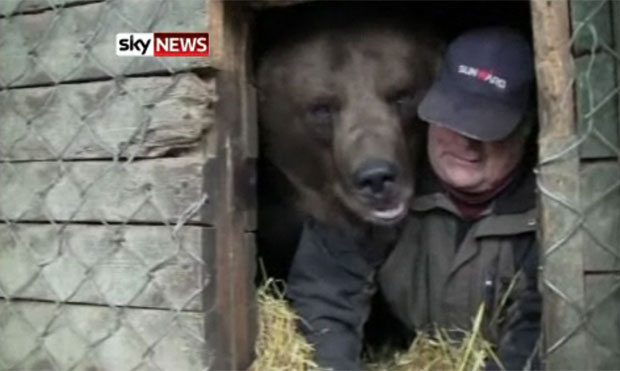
(425, 279)
(443, 268)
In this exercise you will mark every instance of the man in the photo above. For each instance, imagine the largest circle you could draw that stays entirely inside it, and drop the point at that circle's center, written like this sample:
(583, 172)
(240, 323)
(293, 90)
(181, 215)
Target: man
(469, 239)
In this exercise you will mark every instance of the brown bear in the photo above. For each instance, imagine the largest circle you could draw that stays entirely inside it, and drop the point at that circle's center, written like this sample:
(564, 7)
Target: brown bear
(338, 93)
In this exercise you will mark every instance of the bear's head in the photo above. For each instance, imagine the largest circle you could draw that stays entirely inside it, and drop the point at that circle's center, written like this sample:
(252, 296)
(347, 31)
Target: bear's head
(337, 109)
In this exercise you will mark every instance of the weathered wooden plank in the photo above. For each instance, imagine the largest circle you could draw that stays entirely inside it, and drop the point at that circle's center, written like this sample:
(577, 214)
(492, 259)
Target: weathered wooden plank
(603, 294)
(250, 139)
(234, 259)
(156, 191)
(596, 80)
(600, 198)
(558, 179)
(144, 117)
(78, 43)
(8, 7)
(99, 338)
(145, 266)
(591, 22)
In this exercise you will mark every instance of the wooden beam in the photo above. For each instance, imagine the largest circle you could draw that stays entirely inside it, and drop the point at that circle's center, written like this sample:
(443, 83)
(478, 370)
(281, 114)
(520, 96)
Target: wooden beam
(562, 272)
(144, 117)
(234, 291)
(154, 191)
(126, 265)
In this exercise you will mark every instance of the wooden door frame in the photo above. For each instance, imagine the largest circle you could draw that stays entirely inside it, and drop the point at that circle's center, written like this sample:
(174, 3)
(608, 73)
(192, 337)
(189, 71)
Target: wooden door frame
(231, 325)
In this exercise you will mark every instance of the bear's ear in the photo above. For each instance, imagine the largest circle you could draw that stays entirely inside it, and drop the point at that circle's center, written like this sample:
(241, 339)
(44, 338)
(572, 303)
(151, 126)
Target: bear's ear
(435, 45)
(437, 48)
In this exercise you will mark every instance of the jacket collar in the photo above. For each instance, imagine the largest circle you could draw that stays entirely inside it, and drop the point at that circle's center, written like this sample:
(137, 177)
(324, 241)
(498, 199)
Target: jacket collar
(519, 197)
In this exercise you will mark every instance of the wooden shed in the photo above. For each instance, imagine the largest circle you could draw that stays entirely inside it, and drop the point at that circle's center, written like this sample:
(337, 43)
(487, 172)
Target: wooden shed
(127, 185)
(109, 184)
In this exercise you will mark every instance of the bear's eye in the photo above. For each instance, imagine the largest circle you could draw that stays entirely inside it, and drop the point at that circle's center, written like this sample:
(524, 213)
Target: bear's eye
(321, 113)
(405, 103)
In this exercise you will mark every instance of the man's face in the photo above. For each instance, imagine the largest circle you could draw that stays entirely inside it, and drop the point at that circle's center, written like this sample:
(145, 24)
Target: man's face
(470, 165)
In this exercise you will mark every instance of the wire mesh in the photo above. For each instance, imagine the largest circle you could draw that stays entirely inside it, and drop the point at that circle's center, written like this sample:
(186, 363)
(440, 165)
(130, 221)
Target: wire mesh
(101, 192)
(579, 186)
(102, 196)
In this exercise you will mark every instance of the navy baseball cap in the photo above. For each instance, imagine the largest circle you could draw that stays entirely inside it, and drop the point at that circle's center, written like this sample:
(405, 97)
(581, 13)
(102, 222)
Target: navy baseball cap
(483, 88)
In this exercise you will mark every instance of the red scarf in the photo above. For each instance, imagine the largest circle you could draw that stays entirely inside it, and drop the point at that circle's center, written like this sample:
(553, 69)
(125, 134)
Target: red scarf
(471, 205)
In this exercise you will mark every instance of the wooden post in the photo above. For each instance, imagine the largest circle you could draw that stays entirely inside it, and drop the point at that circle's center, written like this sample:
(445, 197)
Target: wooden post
(234, 301)
(561, 281)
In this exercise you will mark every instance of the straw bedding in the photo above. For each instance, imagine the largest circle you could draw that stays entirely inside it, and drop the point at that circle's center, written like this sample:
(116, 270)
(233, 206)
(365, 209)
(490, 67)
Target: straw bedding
(280, 346)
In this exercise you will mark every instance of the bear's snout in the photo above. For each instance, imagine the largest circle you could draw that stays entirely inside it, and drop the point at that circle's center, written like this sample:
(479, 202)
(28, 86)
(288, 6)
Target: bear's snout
(375, 179)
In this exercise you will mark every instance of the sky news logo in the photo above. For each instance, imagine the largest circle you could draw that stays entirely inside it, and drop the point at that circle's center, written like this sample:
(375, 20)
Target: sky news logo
(162, 44)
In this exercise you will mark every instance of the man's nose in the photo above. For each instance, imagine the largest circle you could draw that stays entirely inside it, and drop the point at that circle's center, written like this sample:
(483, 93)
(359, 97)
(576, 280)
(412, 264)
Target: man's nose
(469, 143)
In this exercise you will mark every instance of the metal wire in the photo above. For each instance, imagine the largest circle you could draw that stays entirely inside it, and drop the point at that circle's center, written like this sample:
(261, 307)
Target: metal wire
(101, 189)
(90, 280)
(584, 213)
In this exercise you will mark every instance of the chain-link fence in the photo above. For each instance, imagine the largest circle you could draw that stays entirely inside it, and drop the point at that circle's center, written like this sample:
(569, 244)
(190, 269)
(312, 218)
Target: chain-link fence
(104, 209)
(578, 49)
(106, 215)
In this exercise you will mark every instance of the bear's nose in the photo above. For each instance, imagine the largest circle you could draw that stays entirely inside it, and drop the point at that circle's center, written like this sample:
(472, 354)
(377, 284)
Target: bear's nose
(374, 177)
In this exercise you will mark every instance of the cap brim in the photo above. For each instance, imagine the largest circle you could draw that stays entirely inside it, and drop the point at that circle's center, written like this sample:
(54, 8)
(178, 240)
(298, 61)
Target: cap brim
(472, 115)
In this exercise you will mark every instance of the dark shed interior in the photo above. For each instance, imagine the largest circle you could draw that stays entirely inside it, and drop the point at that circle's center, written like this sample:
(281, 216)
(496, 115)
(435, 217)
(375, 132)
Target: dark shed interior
(278, 226)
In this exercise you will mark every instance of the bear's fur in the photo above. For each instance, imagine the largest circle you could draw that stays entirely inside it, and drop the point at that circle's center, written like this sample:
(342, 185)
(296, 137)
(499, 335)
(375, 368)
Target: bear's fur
(338, 94)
